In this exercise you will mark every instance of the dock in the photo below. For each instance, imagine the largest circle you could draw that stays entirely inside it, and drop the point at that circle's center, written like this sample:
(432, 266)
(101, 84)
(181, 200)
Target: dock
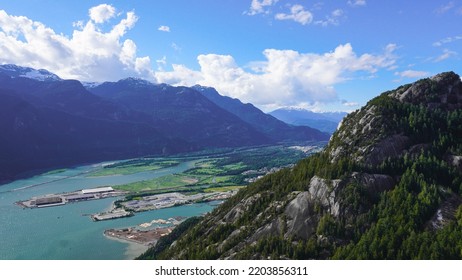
(113, 214)
(51, 200)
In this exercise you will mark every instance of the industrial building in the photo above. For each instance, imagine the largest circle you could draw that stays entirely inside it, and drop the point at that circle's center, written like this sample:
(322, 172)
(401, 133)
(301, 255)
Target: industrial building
(75, 196)
(79, 197)
(98, 190)
(48, 200)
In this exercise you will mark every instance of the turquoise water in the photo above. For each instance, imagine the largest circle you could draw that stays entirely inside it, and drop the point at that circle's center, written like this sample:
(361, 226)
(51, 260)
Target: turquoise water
(65, 232)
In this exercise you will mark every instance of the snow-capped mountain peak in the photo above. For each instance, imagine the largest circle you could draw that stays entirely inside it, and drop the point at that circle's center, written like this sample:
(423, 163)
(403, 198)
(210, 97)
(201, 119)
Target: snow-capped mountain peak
(136, 82)
(15, 71)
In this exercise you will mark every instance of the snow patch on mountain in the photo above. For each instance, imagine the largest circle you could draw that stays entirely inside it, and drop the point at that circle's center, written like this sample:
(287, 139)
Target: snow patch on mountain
(15, 71)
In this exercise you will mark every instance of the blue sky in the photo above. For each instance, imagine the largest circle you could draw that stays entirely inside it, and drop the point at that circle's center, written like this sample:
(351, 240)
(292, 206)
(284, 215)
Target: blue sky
(320, 55)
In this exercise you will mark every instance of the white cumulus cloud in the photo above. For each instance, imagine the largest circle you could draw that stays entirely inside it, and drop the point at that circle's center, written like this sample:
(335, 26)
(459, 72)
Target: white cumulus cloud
(102, 13)
(284, 78)
(164, 28)
(260, 6)
(297, 14)
(281, 78)
(89, 54)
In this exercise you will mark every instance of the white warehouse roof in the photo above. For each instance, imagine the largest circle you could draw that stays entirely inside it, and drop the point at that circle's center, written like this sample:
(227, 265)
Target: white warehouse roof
(98, 190)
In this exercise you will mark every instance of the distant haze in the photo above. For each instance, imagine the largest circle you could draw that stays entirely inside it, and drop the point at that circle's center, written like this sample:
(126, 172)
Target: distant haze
(326, 122)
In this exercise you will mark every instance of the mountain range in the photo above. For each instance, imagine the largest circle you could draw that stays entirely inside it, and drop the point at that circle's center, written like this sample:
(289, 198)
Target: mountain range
(323, 121)
(387, 186)
(49, 122)
(272, 127)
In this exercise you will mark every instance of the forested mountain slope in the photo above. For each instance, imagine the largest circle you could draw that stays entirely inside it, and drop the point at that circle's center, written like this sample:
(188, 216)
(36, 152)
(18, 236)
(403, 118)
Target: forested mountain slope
(387, 186)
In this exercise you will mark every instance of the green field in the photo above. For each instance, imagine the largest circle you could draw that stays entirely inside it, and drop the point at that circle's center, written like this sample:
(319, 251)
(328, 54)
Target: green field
(176, 181)
(134, 166)
(231, 169)
(223, 189)
(164, 182)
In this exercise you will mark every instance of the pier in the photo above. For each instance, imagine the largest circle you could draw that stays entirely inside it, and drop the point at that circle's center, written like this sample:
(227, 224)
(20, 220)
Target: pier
(113, 214)
(51, 200)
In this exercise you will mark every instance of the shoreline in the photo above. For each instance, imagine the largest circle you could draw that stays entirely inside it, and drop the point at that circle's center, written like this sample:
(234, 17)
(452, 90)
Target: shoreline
(144, 237)
(133, 249)
(124, 239)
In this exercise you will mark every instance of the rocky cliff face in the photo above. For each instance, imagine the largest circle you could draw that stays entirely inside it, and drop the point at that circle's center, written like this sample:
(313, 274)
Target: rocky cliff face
(369, 136)
(390, 177)
(441, 91)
